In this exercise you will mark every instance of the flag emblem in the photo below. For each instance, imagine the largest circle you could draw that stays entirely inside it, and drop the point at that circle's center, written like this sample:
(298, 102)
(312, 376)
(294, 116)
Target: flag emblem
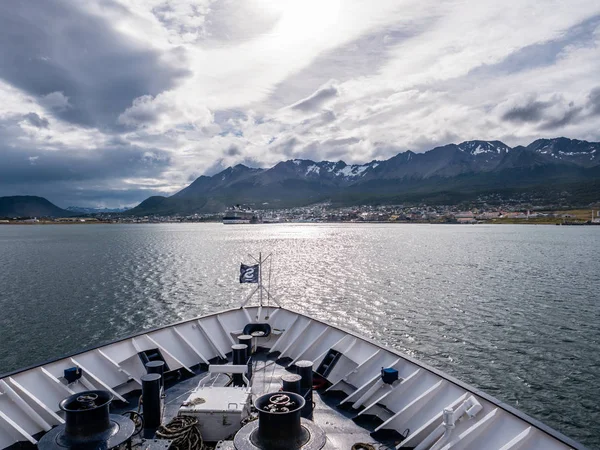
(249, 274)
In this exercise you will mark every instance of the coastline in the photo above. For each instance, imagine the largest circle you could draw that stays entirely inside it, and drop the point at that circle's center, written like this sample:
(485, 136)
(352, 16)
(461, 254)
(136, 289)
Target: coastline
(480, 222)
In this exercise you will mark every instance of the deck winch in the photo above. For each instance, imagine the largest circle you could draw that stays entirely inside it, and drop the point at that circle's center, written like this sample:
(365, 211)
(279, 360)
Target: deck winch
(280, 425)
(88, 424)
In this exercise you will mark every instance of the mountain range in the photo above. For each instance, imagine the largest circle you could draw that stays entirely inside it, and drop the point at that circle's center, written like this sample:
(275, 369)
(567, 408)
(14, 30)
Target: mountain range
(30, 206)
(549, 171)
(552, 168)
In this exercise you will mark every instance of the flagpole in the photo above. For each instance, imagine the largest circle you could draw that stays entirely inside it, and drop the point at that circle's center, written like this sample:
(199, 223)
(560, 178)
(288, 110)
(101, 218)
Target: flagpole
(260, 278)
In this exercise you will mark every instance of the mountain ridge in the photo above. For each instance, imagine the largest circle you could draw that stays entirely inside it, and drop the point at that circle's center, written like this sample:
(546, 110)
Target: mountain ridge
(30, 206)
(487, 165)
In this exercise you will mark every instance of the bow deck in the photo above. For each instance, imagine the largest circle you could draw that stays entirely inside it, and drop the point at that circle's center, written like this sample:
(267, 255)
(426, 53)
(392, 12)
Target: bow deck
(354, 404)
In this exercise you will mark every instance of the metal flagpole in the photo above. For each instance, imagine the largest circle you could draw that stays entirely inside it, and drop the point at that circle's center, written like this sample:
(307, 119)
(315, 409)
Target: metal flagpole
(259, 311)
(260, 277)
(269, 288)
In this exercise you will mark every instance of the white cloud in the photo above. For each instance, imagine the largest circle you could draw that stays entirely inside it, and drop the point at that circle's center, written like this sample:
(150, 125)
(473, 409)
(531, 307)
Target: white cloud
(168, 110)
(318, 99)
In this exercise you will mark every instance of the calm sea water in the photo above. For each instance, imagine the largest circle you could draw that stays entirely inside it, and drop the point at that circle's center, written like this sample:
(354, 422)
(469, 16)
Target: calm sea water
(513, 310)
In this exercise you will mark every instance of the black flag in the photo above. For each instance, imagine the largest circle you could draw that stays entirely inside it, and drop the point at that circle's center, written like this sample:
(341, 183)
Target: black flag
(249, 274)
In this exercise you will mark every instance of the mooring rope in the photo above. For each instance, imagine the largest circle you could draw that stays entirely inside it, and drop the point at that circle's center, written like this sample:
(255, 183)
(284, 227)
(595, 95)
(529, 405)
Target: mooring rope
(363, 446)
(184, 432)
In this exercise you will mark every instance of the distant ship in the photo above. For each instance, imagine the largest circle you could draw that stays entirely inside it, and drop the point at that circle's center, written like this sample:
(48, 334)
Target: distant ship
(238, 216)
(236, 219)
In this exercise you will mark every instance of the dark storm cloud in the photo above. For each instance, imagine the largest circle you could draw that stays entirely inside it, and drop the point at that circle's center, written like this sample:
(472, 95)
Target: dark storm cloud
(594, 101)
(34, 165)
(88, 194)
(49, 47)
(568, 117)
(286, 147)
(543, 54)
(78, 165)
(531, 112)
(233, 151)
(82, 177)
(35, 120)
(316, 100)
(551, 114)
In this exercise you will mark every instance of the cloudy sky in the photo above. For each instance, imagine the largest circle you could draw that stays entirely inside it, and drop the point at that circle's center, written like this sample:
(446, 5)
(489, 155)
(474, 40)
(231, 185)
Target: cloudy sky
(106, 102)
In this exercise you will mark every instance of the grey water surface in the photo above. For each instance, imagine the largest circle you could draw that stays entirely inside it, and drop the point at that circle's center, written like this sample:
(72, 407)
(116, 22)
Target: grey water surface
(513, 310)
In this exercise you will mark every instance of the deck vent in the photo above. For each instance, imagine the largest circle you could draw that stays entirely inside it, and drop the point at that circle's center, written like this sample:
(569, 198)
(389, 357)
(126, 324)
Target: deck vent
(89, 425)
(72, 374)
(389, 375)
(280, 426)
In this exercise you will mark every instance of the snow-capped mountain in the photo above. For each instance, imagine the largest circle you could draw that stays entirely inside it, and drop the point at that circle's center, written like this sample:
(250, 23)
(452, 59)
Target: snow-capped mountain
(571, 150)
(333, 170)
(484, 147)
(472, 165)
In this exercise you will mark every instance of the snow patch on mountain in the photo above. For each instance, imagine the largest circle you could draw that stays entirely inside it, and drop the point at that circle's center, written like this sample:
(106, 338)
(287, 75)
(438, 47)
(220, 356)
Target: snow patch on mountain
(479, 150)
(313, 169)
(346, 171)
(480, 147)
(329, 165)
(355, 170)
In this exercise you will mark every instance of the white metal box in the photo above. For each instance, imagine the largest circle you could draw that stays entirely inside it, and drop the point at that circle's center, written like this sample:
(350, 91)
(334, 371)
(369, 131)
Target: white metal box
(219, 410)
